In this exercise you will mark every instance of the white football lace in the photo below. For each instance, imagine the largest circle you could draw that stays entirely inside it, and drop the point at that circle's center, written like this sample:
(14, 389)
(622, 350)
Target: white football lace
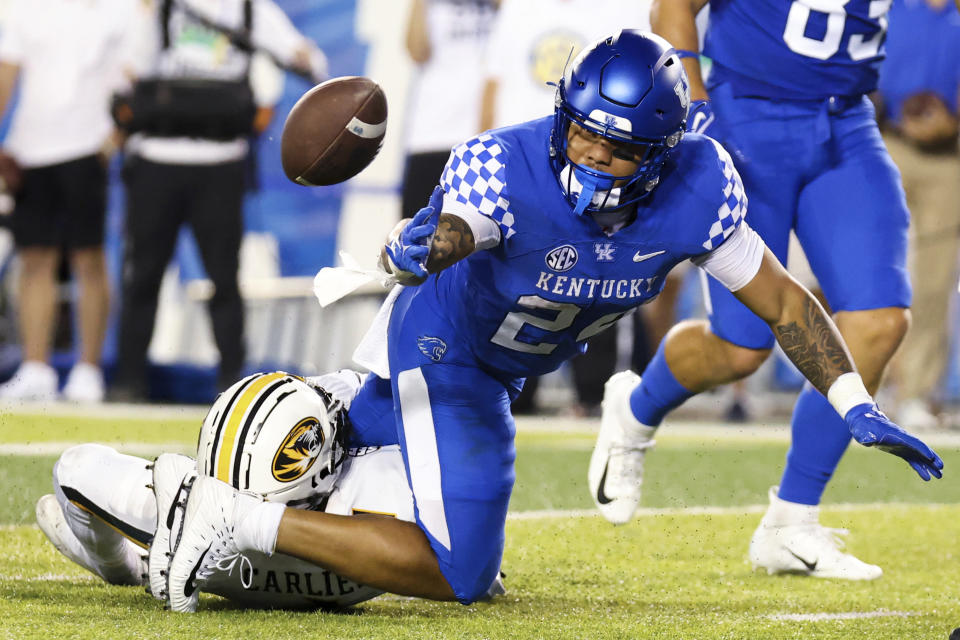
(629, 457)
(227, 563)
(831, 536)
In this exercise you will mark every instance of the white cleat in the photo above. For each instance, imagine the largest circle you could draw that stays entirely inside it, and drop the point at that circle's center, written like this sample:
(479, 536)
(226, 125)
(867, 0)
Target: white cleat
(206, 543)
(33, 381)
(615, 476)
(170, 472)
(54, 525)
(84, 384)
(803, 545)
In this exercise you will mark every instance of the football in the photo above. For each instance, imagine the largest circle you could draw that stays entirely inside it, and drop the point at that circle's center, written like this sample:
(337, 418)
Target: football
(333, 131)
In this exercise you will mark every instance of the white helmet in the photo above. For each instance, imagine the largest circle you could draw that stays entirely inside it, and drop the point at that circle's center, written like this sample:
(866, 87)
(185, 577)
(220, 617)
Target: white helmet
(275, 435)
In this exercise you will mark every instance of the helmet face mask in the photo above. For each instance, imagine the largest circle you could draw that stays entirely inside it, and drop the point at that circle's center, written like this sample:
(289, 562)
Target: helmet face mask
(275, 435)
(631, 90)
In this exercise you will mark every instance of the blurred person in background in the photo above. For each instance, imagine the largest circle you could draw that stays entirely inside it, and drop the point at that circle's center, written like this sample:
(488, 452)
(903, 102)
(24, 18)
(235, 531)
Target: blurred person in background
(918, 91)
(67, 56)
(531, 43)
(444, 38)
(190, 117)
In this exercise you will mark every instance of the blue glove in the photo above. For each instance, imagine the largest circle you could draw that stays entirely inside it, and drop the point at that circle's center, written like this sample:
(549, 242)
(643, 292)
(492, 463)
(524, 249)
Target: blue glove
(408, 251)
(871, 428)
(700, 116)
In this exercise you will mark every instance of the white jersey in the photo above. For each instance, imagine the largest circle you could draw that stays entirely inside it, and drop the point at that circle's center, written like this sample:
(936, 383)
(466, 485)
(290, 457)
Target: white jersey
(94, 479)
(372, 481)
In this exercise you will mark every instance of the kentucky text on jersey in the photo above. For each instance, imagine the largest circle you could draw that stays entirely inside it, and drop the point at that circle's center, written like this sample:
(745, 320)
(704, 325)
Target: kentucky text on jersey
(587, 288)
(556, 278)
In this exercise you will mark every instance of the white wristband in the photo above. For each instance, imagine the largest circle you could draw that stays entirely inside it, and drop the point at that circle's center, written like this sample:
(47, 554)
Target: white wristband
(848, 391)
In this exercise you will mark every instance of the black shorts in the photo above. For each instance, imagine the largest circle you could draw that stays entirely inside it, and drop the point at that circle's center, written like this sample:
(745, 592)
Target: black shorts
(420, 176)
(62, 205)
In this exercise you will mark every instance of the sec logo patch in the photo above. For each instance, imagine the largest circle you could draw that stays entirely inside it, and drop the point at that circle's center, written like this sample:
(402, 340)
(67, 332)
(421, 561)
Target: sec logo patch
(562, 258)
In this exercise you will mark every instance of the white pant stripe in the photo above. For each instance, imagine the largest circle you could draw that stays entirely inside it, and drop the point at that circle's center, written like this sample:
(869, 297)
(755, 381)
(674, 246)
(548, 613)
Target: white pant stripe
(421, 443)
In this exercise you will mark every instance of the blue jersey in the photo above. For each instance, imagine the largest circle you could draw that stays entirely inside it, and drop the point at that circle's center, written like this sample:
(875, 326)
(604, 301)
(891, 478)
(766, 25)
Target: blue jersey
(556, 279)
(800, 49)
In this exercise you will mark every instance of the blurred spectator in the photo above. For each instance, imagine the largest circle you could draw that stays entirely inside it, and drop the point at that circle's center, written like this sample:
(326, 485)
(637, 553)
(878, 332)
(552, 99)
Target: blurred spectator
(67, 57)
(190, 116)
(531, 43)
(447, 39)
(919, 87)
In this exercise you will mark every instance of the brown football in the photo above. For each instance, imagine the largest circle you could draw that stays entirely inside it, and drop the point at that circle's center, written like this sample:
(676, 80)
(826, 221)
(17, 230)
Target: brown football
(333, 131)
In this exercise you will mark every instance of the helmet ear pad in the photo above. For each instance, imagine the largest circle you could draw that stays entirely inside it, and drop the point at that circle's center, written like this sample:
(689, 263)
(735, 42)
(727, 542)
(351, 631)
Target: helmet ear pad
(274, 435)
(630, 87)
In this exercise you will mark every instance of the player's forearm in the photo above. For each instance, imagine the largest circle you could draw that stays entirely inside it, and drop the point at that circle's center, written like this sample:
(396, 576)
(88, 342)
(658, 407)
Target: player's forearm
(810, 339)
(452, 242)
(377, 551)
(676, 21)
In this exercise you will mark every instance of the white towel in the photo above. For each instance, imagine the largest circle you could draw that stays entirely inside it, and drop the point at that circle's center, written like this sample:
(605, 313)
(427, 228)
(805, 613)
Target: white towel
(332, 283)
(371, 353)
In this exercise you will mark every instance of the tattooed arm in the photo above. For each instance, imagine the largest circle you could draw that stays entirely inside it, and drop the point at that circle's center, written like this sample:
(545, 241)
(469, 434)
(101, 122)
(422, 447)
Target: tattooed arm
(802, 327)
(812, 342)
(452, 241)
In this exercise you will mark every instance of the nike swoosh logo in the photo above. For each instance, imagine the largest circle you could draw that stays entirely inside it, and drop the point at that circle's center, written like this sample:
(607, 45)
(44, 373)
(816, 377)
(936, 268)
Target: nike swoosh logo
(809, 565)
(638, 257)
(601, 496)
(188, 586)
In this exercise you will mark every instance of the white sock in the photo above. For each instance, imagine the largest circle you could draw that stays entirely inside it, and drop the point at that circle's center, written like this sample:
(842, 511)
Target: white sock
(257, 529)
(634, 427)
(782, 512)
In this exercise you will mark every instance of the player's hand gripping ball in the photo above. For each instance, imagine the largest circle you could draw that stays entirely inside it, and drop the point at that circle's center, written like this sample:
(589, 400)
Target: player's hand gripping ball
(334, 131)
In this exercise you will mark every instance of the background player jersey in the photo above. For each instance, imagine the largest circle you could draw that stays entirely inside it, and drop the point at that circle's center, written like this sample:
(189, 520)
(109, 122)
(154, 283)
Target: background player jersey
(804, 49)
(526, 305)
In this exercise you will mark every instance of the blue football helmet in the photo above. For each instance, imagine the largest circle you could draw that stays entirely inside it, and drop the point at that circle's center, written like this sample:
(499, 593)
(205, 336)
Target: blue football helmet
(630, 87)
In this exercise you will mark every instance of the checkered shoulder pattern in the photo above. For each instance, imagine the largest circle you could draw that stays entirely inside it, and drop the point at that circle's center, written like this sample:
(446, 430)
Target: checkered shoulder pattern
(475, 174)
(733, 209)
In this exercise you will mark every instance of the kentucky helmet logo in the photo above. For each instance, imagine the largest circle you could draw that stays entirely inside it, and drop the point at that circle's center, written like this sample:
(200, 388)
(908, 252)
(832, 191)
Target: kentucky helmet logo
(298, 451)
(562, 258)
(433, 348)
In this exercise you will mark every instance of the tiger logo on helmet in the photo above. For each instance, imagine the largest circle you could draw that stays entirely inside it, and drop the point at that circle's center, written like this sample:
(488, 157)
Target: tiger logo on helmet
(275, 435)
(298, 451)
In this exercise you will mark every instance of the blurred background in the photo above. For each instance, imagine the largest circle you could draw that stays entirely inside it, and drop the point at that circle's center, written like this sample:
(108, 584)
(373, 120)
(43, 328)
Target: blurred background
(449, 69)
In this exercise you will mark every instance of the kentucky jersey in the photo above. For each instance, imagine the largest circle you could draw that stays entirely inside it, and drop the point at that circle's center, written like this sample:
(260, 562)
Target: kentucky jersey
(460, 344)
(556, 279)
(799, 49)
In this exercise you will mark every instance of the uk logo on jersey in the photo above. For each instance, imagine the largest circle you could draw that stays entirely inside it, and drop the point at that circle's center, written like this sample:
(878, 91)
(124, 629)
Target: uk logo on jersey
(433, 348)
(562, 258)
(604, 251)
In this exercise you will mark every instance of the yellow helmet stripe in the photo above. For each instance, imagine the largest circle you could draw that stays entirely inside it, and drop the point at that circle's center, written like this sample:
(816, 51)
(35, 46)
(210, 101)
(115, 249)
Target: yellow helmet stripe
(228, 442)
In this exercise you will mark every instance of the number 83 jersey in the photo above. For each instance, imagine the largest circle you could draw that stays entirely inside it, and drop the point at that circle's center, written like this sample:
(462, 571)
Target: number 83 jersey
(798, 49)
(555, 279)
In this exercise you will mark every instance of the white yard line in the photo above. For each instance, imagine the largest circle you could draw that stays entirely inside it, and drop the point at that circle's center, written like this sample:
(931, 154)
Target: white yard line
(558, 514)
(750, 509)
(704, 432)
(850, 615)
(133, 448)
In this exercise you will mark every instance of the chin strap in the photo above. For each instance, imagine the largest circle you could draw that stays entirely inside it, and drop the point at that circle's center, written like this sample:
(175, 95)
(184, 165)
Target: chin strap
(585, 186)
(588, 186)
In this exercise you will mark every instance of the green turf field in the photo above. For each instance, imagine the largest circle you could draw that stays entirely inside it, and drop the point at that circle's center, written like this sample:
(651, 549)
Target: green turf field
(678, 571)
